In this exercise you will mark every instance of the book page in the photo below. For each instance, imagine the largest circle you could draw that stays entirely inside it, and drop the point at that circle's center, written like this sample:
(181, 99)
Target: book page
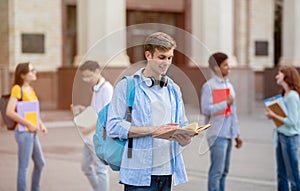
(87, 118)
(191, 129)
(192, 126)
(203, 127)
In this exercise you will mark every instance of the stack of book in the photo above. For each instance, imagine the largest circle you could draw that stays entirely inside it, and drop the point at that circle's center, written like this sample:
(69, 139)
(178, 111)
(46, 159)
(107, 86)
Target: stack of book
(277, 105)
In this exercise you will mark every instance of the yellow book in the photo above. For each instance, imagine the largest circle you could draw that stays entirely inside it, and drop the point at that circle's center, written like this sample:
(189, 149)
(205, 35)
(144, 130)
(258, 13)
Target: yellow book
(32, 117)
(191, 129)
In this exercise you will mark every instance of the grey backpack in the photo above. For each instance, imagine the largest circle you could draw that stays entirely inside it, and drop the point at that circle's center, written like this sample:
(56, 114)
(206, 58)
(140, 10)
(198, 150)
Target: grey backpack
(10, 124)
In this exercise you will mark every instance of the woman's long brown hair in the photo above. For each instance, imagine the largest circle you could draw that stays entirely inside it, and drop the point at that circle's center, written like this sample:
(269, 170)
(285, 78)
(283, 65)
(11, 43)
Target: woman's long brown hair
(291, 77)
(22, 69)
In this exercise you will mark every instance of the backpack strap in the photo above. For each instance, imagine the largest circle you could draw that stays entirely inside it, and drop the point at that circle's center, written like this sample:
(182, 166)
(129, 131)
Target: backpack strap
(21, 94)
(130, 94)
(21, 98)
(130, 90)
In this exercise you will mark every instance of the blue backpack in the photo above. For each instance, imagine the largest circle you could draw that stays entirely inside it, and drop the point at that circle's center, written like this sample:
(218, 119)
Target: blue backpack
(110, 150)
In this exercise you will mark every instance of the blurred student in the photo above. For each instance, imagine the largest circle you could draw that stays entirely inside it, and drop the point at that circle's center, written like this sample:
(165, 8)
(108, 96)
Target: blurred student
(222, 116)
(95, 169)
(28, 143)
(288, 133)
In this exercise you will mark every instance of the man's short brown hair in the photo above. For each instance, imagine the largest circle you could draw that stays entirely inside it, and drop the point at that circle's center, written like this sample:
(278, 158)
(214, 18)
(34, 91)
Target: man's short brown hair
(160, 41)
(216, 60)
(89, 65)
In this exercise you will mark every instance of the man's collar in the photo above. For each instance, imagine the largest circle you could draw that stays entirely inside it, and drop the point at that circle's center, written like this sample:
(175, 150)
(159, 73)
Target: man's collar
(139, 73)
(97, 86)
(221, 80)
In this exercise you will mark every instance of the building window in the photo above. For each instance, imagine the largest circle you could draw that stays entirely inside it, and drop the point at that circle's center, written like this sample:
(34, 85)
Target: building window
(261, 48)
(33, 43)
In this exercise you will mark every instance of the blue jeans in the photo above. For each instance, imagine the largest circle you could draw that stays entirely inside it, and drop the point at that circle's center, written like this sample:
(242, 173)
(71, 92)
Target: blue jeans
(94, 169)
(29, 147)
(158, 183)
(220, 149)
(287, 162)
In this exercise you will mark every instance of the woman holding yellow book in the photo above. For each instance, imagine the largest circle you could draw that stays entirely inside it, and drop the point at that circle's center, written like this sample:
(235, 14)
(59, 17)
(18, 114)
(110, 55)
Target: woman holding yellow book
(28, 142)
(288, 132)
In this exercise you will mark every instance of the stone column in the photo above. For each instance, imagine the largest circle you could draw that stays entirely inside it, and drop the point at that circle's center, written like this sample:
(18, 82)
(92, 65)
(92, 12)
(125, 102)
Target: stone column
(241, 32)
(101, 31)
(261, 30)
(291, 33)
(212, 22)
(4, 48)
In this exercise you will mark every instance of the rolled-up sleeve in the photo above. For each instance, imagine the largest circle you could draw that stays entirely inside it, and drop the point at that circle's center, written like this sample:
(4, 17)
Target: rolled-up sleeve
(235, 123)
(116, 125)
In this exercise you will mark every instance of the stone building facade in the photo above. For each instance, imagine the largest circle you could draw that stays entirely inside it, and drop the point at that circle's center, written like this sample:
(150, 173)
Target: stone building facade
(56, 35)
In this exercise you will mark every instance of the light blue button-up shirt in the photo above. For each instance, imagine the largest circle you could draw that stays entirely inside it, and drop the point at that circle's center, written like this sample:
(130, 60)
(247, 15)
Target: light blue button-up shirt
(222, 126)
(138, 169)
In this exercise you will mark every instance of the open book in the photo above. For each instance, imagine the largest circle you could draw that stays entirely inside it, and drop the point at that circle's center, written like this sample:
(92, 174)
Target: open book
(191, 129)
(276, 104)
(86, 118)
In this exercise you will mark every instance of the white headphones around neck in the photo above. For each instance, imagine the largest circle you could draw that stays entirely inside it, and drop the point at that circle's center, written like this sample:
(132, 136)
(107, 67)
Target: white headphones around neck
(151, 81)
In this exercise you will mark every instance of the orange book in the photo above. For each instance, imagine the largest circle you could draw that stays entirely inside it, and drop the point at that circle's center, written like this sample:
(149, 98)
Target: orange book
(220, 95)
(276, 108)
(276, 104)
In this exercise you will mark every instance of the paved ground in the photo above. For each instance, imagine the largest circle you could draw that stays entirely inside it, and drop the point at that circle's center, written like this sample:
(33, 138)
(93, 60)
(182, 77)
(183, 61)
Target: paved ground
(252, 167)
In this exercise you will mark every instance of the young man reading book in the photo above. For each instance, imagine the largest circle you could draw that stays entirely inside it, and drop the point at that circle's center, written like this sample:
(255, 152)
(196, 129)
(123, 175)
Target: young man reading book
(158, 107)
(218, 107)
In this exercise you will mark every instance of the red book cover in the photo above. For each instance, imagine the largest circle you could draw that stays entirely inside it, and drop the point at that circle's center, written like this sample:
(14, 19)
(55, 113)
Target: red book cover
(220, 95)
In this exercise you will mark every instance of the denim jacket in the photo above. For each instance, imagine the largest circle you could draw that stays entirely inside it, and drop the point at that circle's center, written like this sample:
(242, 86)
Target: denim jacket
(138, 169)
